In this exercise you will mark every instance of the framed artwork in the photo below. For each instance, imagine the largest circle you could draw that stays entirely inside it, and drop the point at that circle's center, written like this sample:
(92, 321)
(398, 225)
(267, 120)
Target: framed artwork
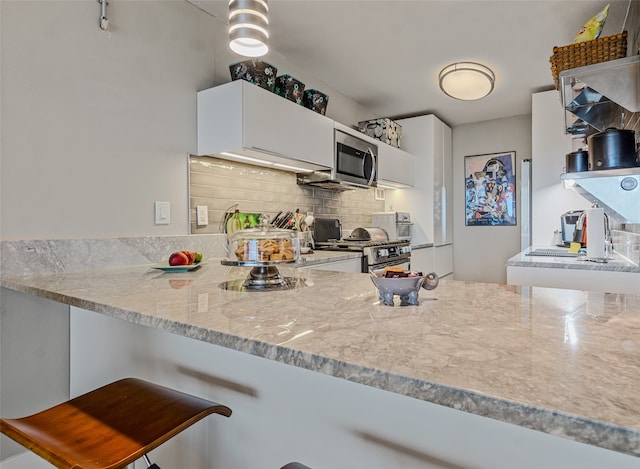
(490, 189)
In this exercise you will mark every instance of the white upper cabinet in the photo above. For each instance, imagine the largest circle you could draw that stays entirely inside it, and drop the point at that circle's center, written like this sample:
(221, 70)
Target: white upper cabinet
(430, 201)
(396, 167)
(442, 184)
(256, 126)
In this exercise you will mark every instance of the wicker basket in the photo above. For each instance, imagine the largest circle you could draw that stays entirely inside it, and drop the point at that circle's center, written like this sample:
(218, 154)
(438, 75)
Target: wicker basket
(599, 50)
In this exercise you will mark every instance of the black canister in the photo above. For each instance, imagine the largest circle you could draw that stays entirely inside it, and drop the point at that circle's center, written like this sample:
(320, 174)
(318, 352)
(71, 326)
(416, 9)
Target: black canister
(577, 161)
(613, 148)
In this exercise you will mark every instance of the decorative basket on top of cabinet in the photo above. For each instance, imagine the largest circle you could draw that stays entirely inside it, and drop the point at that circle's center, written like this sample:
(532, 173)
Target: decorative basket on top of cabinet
(585, 53)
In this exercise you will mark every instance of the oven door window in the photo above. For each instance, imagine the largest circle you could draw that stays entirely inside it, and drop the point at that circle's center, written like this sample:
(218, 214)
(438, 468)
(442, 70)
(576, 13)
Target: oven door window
(403, 230)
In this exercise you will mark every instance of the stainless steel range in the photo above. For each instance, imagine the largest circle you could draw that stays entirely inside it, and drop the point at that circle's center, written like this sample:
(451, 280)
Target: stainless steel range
(377, 251)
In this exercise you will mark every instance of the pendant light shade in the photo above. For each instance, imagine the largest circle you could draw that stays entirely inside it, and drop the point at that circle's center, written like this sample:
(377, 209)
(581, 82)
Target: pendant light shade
(249, 27)
(467, 81)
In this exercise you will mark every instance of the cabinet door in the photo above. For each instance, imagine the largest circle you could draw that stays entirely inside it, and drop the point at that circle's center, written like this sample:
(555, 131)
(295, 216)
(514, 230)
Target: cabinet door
(447, 186)
(422, 260)
(395, 166)
(276, 125)
(442, 184)
(443, 259)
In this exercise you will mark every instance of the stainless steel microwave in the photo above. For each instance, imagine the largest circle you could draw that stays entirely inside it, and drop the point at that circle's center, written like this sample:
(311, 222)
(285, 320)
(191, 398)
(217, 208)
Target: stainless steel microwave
(355, 165)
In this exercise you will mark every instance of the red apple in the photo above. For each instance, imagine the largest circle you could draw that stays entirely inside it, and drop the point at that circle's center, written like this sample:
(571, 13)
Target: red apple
(179, 258)
(191, 255)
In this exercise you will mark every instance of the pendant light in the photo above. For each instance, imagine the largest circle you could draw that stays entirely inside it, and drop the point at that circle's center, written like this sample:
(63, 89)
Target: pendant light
(248, 27)
(467, 81)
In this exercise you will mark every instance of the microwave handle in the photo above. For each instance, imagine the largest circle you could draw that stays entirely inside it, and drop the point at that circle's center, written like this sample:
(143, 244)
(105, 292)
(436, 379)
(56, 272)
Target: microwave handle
(373, 166)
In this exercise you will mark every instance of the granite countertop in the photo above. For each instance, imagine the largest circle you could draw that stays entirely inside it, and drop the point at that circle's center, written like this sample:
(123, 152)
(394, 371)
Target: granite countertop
(421, 246)
(563, 362)
(319, 257)
(617, 263)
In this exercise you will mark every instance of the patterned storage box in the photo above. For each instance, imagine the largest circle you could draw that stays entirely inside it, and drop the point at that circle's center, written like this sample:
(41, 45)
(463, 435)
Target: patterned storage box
(255, 71)
(384, 130)
(289, 88)
(316, 101)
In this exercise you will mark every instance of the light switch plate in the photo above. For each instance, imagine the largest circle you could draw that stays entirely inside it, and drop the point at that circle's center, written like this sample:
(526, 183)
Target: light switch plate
(163, 213)
(202, 215)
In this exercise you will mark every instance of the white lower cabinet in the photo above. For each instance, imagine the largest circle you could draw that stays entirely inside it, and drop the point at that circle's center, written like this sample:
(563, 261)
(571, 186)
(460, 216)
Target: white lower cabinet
(443, 259)
(574, 279)
(422, 260)
(282, 412)
(438, 259)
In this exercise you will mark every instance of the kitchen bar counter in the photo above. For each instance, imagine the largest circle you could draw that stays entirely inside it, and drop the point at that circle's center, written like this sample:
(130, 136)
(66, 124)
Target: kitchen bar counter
(617, 263)
(561, 362)
(617, 275)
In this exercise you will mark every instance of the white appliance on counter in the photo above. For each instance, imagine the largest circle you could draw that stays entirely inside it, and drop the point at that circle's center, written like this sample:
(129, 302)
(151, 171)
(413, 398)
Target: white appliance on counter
(398, 225)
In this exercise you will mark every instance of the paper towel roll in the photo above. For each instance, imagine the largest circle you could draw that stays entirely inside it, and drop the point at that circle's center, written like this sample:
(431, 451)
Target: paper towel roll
(595, 233)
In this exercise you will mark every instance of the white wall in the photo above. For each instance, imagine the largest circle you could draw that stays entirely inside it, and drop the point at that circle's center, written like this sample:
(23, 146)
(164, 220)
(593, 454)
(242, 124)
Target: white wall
(339, 107)
(550, 144)
(480, 252)
(97, 125)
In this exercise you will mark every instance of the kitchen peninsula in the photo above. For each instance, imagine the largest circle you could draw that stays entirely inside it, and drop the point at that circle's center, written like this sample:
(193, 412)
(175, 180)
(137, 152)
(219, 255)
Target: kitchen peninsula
(618, 274)
(474, 366)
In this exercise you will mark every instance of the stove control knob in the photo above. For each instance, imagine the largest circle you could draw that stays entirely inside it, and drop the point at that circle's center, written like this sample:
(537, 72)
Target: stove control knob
(383, 252)
(406, 249)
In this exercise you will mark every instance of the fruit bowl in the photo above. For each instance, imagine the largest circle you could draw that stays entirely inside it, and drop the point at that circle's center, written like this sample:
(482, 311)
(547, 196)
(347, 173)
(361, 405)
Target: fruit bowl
(406, 288)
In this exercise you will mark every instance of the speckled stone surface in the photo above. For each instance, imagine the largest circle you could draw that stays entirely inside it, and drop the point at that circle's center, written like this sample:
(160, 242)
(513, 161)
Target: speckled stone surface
(73, 255)
(421, 246)
(559, 361)
(322, 257)
(617, 263)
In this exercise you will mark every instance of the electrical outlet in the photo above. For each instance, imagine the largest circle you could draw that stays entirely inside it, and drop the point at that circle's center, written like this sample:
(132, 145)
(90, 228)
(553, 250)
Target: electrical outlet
(202, 215)
(163, 213)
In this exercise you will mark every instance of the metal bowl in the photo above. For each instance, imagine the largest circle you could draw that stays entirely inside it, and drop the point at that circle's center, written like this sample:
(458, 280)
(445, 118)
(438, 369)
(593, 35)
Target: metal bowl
(397, 286)
(406, 288)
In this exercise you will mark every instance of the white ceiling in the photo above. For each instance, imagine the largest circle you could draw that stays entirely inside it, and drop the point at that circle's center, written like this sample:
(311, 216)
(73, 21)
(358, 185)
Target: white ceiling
(386, 54)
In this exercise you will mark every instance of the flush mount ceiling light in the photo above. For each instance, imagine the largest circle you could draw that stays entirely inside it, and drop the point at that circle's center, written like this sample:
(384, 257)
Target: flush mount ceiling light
(248, 27)
(467, 81)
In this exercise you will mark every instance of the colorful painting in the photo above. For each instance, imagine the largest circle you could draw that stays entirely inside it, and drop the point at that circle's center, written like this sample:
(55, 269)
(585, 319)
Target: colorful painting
(490, 189)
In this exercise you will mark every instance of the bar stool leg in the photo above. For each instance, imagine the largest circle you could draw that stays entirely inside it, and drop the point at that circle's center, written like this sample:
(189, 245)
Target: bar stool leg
(149, 465)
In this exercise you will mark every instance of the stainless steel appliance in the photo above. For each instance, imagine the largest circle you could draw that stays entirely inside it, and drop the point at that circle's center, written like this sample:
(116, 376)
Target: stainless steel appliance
(398, 225)
(355, 164)
(326, 229)
(377, 250)
(568, 222)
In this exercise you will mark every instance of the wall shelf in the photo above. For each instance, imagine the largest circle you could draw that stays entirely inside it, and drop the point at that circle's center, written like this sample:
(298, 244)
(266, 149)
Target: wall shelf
(602, 95)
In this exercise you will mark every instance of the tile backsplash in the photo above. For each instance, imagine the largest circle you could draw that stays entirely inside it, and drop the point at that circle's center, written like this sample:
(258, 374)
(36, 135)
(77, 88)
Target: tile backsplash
(220, 184)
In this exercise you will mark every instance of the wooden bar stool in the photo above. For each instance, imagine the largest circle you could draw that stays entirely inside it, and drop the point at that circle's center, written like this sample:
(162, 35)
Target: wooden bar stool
(110, 427)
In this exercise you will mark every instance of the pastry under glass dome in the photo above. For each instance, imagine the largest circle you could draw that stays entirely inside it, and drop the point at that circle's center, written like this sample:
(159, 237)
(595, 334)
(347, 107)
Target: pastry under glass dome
(263, 247)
